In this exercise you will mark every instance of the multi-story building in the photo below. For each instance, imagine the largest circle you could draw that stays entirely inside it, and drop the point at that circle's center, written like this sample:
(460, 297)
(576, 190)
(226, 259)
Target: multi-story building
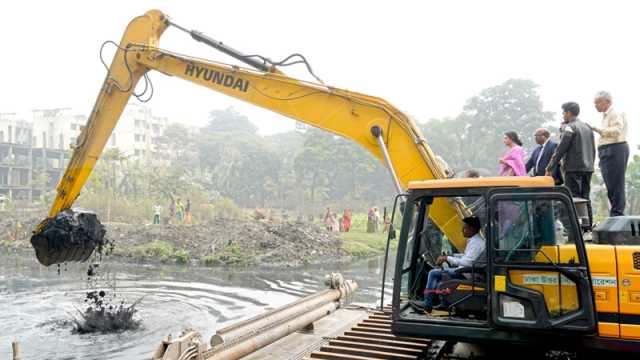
(25, 170)
(137, 133)
(56, 128)
(34, 154)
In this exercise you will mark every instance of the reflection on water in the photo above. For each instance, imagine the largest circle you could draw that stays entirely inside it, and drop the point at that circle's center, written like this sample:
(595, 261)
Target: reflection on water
(37, 303)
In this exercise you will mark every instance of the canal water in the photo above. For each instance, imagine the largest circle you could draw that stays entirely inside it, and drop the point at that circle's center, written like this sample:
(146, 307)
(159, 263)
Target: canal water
(36, 303)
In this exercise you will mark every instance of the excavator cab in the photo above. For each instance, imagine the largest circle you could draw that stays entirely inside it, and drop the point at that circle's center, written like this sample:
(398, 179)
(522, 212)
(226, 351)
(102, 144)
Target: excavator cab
(532, 284)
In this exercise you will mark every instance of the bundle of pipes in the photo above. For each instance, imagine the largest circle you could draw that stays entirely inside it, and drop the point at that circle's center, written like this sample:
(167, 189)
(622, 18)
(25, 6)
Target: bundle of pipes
(236, 341)
(241, 339)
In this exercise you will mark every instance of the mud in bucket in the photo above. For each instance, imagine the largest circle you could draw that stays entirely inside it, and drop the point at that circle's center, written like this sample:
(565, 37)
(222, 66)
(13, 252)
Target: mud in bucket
(72, 235)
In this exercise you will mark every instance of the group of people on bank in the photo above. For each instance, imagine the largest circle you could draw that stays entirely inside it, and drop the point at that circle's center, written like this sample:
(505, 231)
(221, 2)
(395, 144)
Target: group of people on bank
(337, 224)
(375, 223)
(179, 212)
(571, 161)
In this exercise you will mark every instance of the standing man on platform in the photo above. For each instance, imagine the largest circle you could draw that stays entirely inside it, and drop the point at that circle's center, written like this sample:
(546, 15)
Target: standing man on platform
(537, 163)
(613, 151)
(576, 150)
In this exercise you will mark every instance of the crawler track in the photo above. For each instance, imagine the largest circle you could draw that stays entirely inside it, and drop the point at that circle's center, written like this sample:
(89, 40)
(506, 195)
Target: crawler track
(372, 339)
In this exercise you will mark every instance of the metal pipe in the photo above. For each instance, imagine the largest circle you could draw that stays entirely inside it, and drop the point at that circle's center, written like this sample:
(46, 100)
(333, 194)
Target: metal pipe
(224, 48)
(265, 338)
(251, 327)
(275, 314)
(376, 131)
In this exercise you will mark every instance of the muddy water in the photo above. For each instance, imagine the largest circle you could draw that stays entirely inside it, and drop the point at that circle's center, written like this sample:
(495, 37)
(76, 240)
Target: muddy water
(36, 303)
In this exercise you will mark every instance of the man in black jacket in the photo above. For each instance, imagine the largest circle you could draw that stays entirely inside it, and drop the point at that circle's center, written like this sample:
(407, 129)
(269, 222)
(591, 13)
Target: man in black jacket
(542, 154)
(576, 150)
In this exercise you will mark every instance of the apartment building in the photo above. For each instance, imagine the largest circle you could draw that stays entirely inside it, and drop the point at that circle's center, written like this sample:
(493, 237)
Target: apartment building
(26, 170)
(137, 133)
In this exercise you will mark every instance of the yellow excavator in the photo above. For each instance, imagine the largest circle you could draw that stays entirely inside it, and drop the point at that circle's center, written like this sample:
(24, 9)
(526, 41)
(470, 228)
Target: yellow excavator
(538, 282)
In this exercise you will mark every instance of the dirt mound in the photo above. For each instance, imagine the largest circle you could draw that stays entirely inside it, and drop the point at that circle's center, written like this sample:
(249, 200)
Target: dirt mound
(229, 241)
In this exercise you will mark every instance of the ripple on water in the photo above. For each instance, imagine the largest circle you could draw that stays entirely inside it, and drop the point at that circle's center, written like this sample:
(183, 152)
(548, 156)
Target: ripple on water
(37, 303)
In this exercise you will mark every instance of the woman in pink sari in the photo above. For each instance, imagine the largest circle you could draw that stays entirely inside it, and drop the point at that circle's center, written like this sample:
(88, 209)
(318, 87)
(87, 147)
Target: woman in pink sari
(512, 163)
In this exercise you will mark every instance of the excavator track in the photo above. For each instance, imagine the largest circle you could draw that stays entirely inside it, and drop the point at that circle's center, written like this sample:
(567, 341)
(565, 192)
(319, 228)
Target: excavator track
(372, 338)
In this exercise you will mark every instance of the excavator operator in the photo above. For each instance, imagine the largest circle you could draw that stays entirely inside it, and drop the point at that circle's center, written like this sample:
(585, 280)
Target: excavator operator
(475, 247)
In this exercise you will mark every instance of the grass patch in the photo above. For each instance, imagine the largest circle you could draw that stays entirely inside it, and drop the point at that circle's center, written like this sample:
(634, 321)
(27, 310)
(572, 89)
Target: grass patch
(7, 243)
(157, 249)
(363, 244)
(231, 255)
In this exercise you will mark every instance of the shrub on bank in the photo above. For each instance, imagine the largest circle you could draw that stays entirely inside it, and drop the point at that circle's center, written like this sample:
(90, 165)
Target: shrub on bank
(231, 255)
(156, 249)
(182, 256)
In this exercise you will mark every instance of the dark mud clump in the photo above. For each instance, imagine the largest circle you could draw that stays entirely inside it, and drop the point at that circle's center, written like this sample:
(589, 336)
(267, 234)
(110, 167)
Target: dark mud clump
(101, 315)
(72, 235)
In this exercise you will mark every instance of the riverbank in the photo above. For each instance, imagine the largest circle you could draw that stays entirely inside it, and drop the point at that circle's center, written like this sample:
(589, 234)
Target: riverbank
(223, 242)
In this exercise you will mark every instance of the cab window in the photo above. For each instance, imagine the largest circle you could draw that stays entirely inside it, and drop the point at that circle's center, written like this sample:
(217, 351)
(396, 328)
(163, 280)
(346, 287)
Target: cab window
(534, 231)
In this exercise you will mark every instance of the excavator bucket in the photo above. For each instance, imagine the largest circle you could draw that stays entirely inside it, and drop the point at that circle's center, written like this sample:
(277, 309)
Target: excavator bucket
(72, 235)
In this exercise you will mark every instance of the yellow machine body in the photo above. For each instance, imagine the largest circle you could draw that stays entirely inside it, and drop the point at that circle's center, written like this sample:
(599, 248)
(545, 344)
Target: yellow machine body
(616, 278)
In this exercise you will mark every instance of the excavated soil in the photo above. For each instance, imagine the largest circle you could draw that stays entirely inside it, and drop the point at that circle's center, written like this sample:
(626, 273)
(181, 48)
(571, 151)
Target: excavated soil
(230, 241)
(217, 242)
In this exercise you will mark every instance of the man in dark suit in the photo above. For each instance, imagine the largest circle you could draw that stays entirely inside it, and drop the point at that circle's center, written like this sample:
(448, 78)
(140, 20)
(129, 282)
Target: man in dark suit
(541, 155)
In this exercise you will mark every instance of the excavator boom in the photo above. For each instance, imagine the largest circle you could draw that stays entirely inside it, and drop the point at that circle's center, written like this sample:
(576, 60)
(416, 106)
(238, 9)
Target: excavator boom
(342, 112)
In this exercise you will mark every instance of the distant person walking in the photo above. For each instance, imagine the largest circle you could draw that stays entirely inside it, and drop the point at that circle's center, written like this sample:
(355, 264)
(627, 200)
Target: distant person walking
(172, 208)
(537, 163)
(576, 150)
(512, 163)
(386, 220)
(370, 220)
(156, 214)
(613, 151)
(335, 224)
(187, 212)
(328, 220)
(376, 220)
(180, 211)
(346, 220)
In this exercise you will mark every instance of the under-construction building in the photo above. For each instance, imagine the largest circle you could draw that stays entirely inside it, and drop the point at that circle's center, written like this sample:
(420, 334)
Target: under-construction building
(27, 170)
(35, 152)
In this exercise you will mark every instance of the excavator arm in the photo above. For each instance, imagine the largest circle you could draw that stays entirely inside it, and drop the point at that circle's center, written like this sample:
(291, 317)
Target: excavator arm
(349, 114)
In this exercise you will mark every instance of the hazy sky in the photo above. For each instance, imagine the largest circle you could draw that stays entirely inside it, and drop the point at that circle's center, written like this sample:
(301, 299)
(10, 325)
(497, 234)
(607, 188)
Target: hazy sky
(426, 57)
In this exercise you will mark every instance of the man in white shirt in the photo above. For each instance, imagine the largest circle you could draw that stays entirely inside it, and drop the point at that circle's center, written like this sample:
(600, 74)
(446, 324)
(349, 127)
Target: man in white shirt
(156, 214)
(613, 151)
(474, 248)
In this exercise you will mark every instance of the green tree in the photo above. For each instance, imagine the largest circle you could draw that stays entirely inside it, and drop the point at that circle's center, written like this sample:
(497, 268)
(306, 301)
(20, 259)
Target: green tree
(241, 165)
(474, 138)
(179, 144)
(511, 106)
(312, 162)
(633, 186)
(447, 139)
(229, 120)
(599, 199)
(333, 169)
